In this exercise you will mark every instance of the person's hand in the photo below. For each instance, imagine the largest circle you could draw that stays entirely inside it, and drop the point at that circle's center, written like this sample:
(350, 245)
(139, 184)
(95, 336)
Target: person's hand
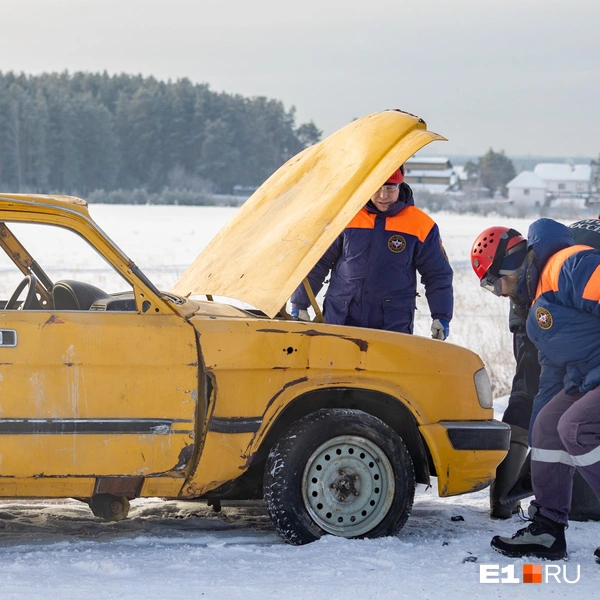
(440, 329)
(299, 314)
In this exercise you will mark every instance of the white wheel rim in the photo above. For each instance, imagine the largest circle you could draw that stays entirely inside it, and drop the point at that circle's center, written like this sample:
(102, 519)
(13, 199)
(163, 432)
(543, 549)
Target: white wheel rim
(348, 486)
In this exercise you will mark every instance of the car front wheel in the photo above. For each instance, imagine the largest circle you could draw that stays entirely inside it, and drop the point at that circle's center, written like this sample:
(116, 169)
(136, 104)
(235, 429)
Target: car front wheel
(341, 472)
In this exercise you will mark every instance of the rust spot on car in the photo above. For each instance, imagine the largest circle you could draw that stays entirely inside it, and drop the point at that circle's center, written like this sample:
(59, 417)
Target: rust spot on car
(480, 484)
(247, 458)
(271, 331)
(194, 364)
(69, 364)
(285, 387)
(362, 344)
(266, 426)
(444, 490)
(184, 457)
(53, 320)
(274, 368)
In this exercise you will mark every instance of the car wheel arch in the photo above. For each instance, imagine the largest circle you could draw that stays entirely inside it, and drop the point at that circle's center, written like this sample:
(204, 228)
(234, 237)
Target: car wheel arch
(392, 411)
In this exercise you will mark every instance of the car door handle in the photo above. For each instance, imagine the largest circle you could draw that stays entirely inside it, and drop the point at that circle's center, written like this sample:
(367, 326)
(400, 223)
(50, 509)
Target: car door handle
(8, 338)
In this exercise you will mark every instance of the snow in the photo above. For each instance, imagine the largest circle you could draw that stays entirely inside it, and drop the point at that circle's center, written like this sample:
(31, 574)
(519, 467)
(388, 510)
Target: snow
(563, 172)
(173, 549)
(433, 173)
(527, 179)
(426, 160)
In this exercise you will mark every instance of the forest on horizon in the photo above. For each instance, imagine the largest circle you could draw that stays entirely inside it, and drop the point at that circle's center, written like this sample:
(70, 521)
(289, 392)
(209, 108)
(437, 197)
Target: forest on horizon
(84, 132)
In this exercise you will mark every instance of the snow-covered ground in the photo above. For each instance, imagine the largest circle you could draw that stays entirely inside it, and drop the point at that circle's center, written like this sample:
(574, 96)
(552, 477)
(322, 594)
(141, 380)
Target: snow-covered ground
(57, 549)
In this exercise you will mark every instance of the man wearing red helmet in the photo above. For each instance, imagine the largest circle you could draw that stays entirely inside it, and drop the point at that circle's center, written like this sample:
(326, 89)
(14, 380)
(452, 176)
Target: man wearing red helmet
(489, 246)
(513, 475)
(374, 264)
(559, 281)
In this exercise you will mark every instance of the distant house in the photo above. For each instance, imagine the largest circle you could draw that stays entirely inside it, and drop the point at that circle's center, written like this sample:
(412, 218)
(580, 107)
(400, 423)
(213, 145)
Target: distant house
(432, 174)
(527, 190)
(565, 180)
(461, 174)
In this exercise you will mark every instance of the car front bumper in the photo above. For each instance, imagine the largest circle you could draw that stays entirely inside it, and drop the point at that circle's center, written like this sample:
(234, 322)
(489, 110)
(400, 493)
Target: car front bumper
(466, 453)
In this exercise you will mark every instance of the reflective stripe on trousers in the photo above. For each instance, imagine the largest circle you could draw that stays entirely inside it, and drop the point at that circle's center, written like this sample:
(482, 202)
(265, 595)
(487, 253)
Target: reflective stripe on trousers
(566, 435)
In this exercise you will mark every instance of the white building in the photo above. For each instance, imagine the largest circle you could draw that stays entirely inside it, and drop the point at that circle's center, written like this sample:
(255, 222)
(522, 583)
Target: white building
(565, 180)
(527, 190)
(433, 174)
(461, 173)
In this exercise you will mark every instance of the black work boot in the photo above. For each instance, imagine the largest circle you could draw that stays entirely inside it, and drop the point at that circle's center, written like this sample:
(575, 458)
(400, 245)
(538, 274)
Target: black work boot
(506, 475)
(543, 538)
(522, 487)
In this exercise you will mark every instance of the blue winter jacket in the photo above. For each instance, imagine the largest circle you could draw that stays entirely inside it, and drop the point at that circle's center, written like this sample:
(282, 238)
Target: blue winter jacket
(563, 283)
(373, 266)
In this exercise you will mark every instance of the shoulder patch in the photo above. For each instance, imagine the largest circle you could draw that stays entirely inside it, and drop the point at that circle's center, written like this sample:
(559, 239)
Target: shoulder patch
(543, 318)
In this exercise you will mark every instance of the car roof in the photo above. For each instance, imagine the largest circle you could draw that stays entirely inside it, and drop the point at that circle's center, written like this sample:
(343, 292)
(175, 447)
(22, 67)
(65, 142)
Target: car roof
(34, 201)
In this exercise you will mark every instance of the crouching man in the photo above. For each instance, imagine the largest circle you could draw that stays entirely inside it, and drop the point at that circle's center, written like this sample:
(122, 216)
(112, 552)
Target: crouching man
(559, 281)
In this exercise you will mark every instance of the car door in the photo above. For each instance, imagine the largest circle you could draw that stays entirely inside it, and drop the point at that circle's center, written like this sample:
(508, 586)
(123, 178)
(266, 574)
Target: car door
(95, 392)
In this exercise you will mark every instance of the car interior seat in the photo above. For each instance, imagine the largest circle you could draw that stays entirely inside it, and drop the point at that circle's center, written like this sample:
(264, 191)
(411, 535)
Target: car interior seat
(75, 295)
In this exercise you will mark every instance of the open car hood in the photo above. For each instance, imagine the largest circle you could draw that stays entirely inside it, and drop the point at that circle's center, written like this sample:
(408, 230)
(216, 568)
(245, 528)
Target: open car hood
(265, 251)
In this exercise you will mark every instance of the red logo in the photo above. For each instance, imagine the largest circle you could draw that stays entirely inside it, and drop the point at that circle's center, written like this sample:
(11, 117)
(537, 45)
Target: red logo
(532, 573)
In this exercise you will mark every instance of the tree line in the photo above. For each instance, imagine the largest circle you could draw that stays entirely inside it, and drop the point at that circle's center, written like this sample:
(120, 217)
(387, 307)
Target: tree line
(492, 171)
(76, 133)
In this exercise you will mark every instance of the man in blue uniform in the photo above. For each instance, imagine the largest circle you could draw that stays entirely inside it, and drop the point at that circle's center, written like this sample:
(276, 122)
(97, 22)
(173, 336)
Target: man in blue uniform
(513, 475)
(374, 264)
(560, 282)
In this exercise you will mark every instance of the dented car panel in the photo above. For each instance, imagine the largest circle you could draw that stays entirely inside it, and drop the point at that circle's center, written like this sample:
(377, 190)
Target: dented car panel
(87, 394)
(259, 372)
(92, 394)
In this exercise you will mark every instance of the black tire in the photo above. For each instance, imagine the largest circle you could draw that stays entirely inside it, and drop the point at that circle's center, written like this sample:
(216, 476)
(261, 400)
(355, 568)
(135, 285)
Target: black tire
(109, 507)
(339, 472)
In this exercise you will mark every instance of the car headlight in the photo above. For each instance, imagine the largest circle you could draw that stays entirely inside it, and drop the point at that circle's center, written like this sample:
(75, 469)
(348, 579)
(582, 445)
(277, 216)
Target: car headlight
(484, 389)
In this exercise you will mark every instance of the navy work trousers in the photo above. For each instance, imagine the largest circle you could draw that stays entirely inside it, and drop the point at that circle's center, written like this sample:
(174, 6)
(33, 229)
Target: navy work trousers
(566, 436)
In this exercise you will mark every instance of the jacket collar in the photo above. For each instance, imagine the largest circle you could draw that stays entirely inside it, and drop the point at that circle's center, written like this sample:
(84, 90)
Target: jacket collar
(544, 239)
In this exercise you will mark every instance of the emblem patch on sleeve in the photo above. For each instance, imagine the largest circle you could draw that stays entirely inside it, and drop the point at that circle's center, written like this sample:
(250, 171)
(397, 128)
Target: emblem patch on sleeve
(396, 243)
(543, 318)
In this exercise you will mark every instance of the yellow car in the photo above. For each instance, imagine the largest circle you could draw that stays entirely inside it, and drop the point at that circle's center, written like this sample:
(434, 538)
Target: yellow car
(116, 390)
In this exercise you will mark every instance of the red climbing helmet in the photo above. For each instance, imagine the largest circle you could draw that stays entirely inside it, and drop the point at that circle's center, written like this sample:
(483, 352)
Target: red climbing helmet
(497, 251)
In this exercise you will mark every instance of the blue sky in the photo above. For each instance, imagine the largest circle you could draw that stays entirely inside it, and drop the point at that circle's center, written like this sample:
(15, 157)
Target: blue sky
(517, 75)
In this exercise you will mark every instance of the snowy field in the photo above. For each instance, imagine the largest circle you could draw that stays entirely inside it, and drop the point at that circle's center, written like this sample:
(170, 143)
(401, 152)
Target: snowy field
(57, 549)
